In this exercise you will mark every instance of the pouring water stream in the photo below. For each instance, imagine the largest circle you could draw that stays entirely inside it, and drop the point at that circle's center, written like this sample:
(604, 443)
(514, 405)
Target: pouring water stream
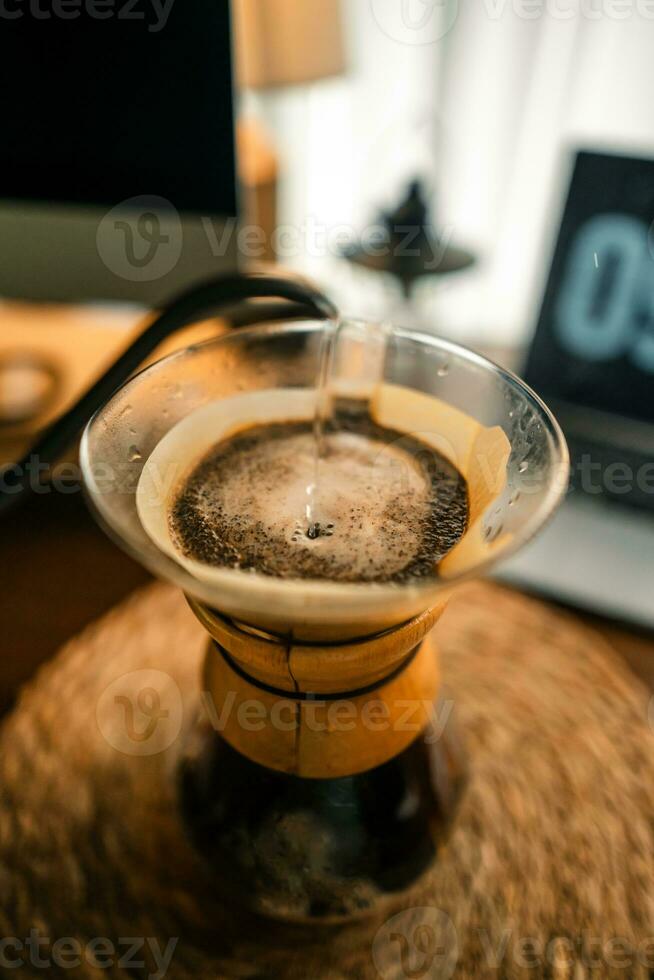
(374, 343)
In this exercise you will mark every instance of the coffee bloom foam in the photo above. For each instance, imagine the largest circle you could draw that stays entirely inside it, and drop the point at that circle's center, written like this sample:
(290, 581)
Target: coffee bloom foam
(384, 511)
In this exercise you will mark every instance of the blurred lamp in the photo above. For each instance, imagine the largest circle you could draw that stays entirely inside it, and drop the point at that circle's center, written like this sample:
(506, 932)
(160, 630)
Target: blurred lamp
(279, 44)
(287, 42)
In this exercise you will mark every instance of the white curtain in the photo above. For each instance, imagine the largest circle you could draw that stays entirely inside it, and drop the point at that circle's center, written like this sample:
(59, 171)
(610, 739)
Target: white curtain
(349, 145)
(487, 96)
(518, 96)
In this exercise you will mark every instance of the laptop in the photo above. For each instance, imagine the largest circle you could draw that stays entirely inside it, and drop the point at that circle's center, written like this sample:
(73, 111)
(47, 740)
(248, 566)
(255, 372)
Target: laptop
(592, 360)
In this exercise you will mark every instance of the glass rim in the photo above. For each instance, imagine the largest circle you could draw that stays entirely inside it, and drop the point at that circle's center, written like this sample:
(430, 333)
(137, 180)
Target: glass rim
(166, 567)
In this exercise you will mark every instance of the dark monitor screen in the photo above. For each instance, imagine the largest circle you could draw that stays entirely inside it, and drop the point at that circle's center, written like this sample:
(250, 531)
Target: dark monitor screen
(107, 99)
(594, 342)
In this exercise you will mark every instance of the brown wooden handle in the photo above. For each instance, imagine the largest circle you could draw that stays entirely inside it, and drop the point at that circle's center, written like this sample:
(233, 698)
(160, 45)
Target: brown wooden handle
(320, 711)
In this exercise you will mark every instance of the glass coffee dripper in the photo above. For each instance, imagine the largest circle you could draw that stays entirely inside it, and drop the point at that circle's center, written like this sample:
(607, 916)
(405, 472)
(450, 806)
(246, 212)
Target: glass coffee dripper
(308, 816)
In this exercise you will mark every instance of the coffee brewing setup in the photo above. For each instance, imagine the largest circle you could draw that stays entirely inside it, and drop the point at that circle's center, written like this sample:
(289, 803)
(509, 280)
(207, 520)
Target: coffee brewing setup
(306, 818)
(340, 794)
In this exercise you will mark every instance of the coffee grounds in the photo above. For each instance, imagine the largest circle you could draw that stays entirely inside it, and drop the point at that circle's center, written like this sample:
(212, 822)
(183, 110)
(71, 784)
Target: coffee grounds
(391, 507)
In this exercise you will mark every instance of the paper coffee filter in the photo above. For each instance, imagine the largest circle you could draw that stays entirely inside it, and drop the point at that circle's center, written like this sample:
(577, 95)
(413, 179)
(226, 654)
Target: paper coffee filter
(302, 606)
(480, 453)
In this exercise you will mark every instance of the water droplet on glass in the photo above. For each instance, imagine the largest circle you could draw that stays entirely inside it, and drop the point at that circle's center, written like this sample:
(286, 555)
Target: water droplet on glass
(492, 532)
(515, 497)
(134, 454)
(443, 370)
(523, 467)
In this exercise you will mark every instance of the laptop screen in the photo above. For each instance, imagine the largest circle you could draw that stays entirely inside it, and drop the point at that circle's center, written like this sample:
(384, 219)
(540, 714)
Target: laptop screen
(594, 341)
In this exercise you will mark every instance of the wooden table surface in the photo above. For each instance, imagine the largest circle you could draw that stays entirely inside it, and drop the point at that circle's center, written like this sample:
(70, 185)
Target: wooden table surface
(59, 572)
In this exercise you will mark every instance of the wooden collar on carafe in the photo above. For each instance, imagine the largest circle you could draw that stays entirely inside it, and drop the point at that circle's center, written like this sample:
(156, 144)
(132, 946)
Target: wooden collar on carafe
(319, 711)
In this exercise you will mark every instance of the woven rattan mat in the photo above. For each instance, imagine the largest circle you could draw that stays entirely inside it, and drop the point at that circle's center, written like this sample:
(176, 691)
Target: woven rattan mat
(549, 871)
